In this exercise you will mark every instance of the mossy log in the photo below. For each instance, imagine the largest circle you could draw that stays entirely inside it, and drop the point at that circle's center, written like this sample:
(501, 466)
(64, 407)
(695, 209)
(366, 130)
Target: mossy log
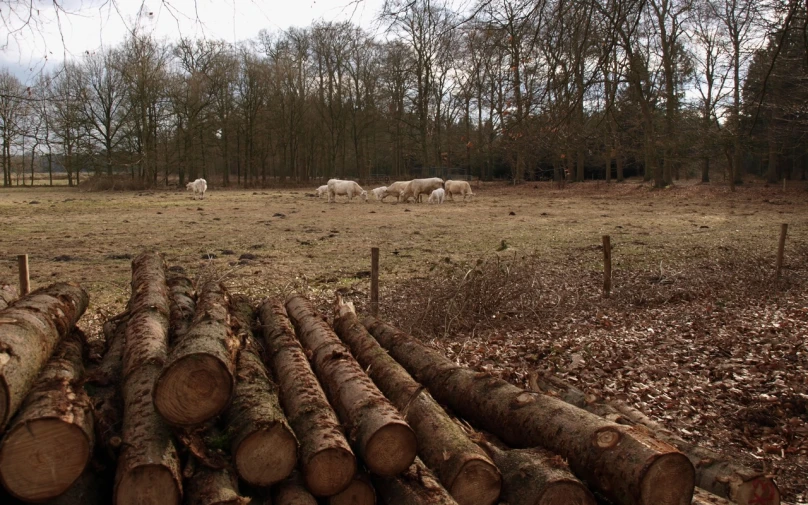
(326, 459)
(30, 330)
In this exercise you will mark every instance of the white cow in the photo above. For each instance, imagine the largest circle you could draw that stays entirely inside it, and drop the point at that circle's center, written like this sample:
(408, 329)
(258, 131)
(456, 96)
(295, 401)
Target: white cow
(199, 187)
(395, 190)
(322, 190)
(458, 188)
(417, 187)
(347, 188)
(379, 193)
(437, 196)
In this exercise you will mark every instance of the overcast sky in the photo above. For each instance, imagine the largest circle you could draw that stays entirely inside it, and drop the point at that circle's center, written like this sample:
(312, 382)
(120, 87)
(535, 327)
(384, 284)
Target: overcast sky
(89, 24)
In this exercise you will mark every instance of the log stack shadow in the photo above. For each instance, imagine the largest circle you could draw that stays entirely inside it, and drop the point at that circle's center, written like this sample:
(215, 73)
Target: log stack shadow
(206, 397)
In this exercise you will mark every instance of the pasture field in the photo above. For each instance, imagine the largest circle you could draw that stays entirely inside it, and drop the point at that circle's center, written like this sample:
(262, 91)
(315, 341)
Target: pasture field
(693, 283)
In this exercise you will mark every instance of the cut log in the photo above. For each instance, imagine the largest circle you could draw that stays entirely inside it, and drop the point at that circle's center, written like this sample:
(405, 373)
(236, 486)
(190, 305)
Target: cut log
(715, 472)
(208, 486)
(326, 459)
(702, 497)
(89, 489)
(536, 477)
(376, 430)
(360, 492)
(103, 384)
(8, 294)
(148, 467)
(292, 491)
(264, 448)
(197, 382)
(415, 486)
(30, 330)
(182, 305)
(50, 441)
(462, 467)
(624, 464)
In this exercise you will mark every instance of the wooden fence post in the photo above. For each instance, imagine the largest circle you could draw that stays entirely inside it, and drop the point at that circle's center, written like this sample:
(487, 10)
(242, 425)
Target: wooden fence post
(22, 265)
(374, 281)
(607, 266)
(781, 248)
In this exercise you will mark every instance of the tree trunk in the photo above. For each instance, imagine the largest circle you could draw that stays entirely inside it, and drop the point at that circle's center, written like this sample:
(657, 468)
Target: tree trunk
(536, 477)
(326, 460)
(30, 330)
(715, 472)
(197, 382)
(625, 465)
(292, 491)
(415, 486)
(212, 486)
(263, 446)
(148, 466)
(51, 440)
(182, 304)
(105, 388)
(466, 471)
(360, 492)
(377, 431)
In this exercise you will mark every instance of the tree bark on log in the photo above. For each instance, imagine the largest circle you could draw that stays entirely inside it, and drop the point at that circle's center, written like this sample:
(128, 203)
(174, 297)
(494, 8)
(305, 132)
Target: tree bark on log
(462, 467)
(326, 459)
(104, 386)
(702, 497)
(536, 477)
(148, 466)
(182, 306)
(624, 464)
(198, 380)
(210, 486)
(50, 441)
(292, 491)
(377, 431)
(715, 472)
(264, 448)
(415, 486)
(360, 492)
(30, 330)
(8, 294)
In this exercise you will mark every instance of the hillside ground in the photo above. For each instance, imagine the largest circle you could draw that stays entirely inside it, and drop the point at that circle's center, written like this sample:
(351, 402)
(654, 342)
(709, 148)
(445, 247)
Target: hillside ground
(697, 334)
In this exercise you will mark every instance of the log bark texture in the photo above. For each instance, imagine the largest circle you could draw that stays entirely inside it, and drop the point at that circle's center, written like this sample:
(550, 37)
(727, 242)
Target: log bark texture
(198, 380)
(326, 459)
(292, 491)
(30, 330)
(182, 304)
(104, 385)
(415, 486)
(377, 431)
(624, 464)
(716, 473)
(462, 467)
(264, 448)
(537, 477)
(50, 441)
(8, 294)
(360, 492)
(209, 486)
(148, 466)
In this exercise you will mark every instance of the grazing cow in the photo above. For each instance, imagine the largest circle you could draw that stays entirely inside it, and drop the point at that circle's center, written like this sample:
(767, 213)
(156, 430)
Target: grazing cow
(437, 196)
(417, 187)
(199, 187)
(322, 190)
(347, 188)
(458, 188)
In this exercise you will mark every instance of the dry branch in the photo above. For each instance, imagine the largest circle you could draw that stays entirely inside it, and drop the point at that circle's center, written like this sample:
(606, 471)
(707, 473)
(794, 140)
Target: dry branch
(462, 467)
(716, 473)
(30, 331)
(380, 435)
(50, 441)
(326, 459)
(625, 465)
(264, 448)
(197, 382)
(148, 467)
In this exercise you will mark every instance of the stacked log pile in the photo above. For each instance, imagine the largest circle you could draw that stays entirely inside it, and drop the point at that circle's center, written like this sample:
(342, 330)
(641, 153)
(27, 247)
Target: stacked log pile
(204, 397)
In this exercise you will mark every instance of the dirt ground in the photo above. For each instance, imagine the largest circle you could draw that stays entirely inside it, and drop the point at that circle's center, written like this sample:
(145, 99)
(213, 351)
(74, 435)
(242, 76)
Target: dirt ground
(696, 333)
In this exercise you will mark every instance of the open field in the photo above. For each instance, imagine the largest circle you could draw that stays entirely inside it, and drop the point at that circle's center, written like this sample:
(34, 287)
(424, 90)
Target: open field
(695, 334)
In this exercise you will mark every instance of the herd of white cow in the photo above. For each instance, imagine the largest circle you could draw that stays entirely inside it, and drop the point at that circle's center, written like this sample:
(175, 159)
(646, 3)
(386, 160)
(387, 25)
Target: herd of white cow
(436, 188)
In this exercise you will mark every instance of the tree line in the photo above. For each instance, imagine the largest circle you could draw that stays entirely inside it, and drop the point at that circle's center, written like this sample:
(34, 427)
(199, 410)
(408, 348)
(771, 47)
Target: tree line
(518, 89)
